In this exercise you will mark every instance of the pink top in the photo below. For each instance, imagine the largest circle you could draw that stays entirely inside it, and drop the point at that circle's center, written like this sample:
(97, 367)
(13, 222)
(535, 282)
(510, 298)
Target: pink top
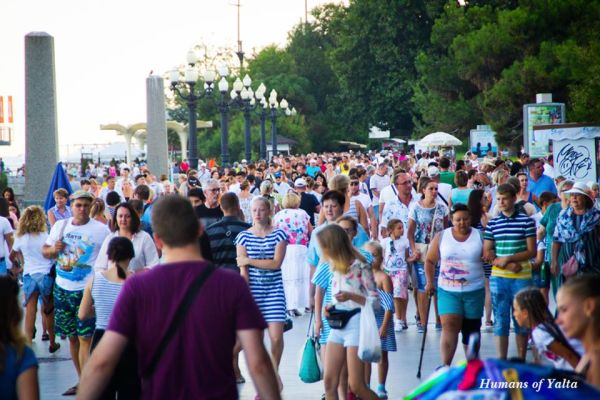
(295, 223)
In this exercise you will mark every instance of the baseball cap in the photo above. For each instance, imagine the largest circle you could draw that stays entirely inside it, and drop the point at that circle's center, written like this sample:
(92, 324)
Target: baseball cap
(433, 171)
(193, 181)
(277, 174)
(300, 182)
(82, 194)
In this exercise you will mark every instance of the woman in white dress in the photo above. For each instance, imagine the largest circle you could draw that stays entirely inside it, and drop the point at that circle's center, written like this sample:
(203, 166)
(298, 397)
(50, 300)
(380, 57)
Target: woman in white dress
(295, 222)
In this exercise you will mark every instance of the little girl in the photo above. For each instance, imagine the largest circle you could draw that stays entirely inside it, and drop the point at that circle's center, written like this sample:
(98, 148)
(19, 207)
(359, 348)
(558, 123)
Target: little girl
(395, 255)
(383, 315)
(530, 311)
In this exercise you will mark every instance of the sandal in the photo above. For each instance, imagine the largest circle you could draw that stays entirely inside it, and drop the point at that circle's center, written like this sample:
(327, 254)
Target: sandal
(54, 348)
(240, 380)
(71, 391)
(45, 337)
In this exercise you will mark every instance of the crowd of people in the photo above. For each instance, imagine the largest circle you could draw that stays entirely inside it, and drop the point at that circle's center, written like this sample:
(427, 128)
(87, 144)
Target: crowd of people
(244, 250)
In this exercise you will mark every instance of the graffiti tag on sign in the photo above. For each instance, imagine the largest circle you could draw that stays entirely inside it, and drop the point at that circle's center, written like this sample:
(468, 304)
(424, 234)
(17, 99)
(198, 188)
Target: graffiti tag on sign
(574, 161)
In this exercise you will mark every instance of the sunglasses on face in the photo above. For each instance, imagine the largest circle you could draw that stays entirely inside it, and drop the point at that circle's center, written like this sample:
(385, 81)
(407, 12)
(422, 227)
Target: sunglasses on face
(354, 183)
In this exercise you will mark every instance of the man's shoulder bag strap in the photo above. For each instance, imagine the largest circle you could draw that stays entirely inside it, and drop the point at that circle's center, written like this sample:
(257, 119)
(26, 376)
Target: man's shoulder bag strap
(180, 315)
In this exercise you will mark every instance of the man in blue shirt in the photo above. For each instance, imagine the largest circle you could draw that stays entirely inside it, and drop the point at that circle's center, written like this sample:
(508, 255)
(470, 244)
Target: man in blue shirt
(538, 182)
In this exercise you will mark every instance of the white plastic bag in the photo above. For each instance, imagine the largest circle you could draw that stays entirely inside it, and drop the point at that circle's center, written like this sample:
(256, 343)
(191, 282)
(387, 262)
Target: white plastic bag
(369, 343)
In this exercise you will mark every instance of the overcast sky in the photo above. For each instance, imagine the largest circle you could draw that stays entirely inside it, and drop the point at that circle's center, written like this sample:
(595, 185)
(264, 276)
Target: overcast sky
(104, 51)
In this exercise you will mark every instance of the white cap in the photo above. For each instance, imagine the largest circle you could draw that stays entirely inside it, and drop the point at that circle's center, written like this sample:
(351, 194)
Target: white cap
(300, 182)
(433, 171)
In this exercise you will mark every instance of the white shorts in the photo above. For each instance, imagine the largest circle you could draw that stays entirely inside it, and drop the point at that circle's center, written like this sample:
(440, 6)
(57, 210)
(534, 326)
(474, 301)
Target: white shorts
(349, 335)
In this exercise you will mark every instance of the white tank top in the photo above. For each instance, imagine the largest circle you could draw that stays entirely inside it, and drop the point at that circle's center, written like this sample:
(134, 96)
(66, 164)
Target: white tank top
(461, 268)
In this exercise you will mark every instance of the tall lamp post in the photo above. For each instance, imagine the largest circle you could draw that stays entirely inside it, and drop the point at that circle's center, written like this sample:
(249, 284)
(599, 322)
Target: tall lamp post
(193, 96)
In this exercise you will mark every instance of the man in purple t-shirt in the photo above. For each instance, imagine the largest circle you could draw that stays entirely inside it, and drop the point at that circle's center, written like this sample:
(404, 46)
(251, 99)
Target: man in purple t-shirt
(196, 364)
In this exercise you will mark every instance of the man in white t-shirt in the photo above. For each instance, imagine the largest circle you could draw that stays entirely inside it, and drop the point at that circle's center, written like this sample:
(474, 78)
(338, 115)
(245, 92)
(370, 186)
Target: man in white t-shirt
(397, 206)
(377, 182)
(74, 243)
(6, 243)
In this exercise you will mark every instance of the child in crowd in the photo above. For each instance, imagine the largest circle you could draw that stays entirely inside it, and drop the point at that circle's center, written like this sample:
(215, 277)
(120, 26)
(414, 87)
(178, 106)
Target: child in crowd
(383, 315)
(395, 256)
(530, 311)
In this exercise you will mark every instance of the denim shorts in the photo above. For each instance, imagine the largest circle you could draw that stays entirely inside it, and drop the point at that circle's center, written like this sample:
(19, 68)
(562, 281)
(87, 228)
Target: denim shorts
(40, 283)
(422, 278)
(467, 304)
(503, 291)
(349, 335)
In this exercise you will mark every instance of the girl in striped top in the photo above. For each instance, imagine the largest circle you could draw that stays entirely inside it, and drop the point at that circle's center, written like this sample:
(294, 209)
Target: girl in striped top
(99, 298)
(260, 252)
(383, 315)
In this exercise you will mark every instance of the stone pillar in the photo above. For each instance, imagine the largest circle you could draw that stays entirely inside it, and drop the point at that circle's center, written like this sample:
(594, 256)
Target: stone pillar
(156, 127)
(41, 133)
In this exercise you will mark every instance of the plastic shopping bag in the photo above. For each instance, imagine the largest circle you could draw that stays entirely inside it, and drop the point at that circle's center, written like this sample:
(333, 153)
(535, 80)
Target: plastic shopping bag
(369, 344)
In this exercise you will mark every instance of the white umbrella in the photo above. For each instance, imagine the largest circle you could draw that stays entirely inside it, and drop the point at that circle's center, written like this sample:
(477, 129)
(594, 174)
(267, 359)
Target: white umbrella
(440, 139)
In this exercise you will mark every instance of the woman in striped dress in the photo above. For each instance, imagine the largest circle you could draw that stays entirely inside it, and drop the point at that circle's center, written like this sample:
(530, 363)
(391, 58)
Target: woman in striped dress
(99, 298)
(260, 253)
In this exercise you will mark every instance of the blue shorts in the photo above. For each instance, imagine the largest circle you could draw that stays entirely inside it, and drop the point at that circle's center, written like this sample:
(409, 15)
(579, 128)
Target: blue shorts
(503, 291)
(349, 335)
(3, 270)
(40, 283)
(467, 304)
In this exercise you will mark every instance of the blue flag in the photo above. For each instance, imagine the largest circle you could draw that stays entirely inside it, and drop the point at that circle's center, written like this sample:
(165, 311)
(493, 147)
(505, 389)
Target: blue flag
(59, 180)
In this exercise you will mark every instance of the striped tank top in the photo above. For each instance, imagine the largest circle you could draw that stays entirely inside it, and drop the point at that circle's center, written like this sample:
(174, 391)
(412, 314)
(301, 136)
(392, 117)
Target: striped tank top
(104, 294)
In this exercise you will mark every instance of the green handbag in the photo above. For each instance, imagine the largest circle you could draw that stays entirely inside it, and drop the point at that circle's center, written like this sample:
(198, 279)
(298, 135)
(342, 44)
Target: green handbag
(310, 370)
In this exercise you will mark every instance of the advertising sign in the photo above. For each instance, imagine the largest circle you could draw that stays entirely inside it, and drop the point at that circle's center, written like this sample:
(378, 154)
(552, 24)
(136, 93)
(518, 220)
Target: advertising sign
(10, 110)
(537, 144)
(575, 159)
(482, 140)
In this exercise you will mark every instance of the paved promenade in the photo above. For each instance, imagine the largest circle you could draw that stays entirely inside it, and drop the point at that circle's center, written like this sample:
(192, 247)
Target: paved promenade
(57, 372)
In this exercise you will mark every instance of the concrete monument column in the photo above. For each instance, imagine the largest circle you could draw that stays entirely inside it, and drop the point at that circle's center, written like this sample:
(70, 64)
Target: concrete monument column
(156, 126)
(41, 132)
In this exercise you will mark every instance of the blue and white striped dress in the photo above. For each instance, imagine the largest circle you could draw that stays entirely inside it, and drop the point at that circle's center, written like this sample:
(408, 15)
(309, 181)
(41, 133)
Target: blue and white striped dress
(388, 343)
(322, 279)
(104, 294)
(266, 285)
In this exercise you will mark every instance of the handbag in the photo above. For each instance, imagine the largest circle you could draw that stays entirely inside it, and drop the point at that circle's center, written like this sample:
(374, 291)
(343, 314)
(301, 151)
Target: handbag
(288, 325)
(423, 248)
(310, 368)
(571, 267)
(339, 318)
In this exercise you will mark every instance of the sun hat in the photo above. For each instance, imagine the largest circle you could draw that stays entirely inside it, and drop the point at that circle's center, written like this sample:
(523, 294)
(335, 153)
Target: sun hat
(580, 188)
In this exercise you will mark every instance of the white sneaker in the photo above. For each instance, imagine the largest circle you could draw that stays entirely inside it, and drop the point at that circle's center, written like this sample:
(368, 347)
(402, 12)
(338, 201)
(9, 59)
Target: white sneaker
(397, 325)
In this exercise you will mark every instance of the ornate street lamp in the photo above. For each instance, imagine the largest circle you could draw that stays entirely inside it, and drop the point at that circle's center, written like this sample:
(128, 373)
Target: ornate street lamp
(242, 96)
(192, 97)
